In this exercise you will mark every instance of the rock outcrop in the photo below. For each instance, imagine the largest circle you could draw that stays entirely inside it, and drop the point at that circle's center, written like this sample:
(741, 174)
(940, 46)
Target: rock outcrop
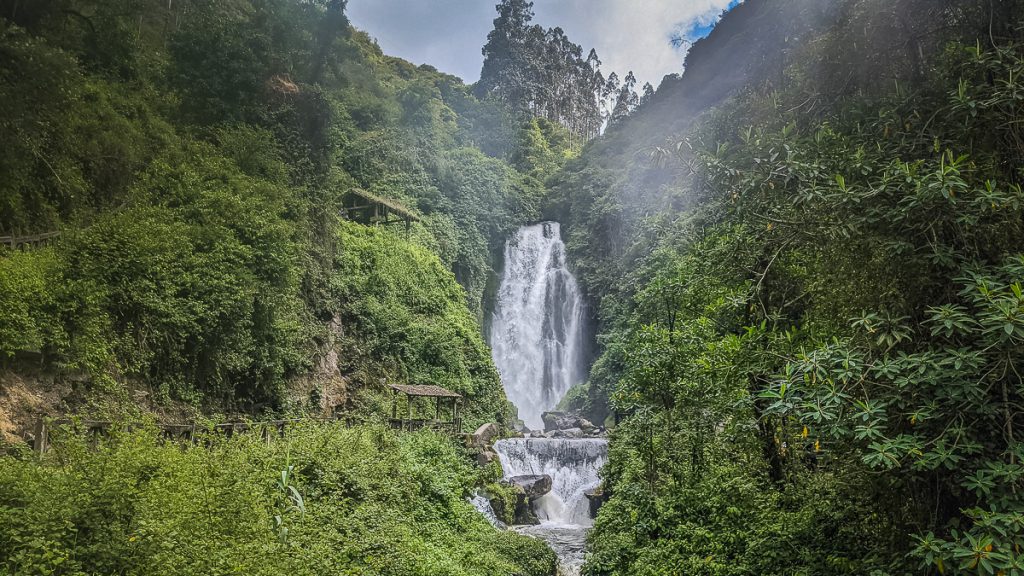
(534, 486)
(566, 425)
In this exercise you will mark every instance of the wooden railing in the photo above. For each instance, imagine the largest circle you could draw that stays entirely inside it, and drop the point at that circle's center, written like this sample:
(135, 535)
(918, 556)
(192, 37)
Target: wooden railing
(192, 432)
(28, 242)
(412, 425)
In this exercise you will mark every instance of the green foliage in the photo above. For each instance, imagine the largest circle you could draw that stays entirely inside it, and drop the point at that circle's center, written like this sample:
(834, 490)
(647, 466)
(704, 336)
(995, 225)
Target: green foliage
(403, 311)
(194, 155)
(363, 501)
(507, 496)
(827, 349)
(28, 282)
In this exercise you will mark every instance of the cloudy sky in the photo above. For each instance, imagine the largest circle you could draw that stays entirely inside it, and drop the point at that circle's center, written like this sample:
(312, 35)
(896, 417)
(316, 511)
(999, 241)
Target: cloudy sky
(628, 34)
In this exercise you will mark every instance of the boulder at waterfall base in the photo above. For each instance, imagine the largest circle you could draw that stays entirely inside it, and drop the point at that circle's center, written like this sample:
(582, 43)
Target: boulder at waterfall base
(522, 511)
(534, 485)
(557, 421)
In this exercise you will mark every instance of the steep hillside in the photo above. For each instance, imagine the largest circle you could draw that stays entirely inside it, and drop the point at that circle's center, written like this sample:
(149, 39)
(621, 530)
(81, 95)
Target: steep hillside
(807, 253)
(195, 157)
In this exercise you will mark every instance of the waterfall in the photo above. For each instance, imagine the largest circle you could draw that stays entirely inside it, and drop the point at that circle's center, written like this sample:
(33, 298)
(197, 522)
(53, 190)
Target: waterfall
(536, 329)
(483, 506)
(573, 465)
(537, 340)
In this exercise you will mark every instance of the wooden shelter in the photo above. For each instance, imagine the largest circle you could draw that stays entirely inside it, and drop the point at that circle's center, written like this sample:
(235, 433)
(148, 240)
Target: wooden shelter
(366, 208)
(440, 396)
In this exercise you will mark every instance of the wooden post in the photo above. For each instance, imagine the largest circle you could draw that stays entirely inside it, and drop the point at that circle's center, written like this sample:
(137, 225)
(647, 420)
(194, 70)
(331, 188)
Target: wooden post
(41, 442)
(394, 404)
(408, 404)
(438, 417)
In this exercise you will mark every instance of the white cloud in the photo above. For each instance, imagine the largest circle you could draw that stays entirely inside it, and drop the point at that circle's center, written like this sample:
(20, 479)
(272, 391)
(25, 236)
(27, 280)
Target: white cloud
(628, 34)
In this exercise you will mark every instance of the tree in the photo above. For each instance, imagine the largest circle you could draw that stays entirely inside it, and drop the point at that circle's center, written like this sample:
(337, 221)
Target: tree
(626, 101)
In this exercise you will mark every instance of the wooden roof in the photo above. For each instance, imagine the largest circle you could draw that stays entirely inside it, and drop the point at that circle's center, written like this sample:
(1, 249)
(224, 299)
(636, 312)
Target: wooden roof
(426, 390)
(394, 206)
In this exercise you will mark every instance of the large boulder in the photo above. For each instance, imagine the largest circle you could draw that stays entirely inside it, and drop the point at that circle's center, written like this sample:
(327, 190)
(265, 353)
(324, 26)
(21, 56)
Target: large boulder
(533, 486)
(522, 510)
(485, 434)
(568, 433)
(551, 420)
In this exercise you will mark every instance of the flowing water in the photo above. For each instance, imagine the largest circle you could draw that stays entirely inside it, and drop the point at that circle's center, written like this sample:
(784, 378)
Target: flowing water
(537, 338)
(564, 513)
(536, 329)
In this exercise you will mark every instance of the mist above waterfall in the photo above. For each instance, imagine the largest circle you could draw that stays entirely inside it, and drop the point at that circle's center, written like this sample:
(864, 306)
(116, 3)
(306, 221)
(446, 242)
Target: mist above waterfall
(536, 330)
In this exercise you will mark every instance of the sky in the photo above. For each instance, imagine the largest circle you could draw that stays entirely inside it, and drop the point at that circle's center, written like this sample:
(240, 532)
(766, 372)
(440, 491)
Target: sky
(628, 34)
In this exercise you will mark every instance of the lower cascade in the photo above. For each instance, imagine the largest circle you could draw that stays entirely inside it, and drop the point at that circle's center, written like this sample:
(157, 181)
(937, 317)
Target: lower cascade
(565, 511)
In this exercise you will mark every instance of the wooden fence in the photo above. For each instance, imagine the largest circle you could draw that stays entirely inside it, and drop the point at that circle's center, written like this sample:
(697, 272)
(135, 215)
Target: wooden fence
(193, 432)
(28, 242)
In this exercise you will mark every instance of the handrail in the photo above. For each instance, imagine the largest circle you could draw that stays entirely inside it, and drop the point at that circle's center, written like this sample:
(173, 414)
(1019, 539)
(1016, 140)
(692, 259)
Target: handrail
(33, 240)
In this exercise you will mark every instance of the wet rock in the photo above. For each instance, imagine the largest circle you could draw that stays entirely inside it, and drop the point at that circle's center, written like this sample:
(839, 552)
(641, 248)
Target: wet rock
(522, 512)
(568, 433)
(586, 425)
(595, 497)
(552, 420)
(534, 485)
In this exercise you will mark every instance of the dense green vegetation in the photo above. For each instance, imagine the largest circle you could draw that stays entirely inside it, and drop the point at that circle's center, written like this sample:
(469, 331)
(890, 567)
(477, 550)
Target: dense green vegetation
(805, 255)
(196, 155)
(321, 500)
(817, 361)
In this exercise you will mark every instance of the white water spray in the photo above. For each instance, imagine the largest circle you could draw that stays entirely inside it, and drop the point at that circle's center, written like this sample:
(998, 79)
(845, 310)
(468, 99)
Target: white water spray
(564, 513)
(536, 330)
(573, 466)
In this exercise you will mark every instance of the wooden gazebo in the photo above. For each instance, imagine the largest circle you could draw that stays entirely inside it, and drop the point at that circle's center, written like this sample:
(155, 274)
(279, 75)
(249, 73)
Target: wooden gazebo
(440, 396)
(367, 208)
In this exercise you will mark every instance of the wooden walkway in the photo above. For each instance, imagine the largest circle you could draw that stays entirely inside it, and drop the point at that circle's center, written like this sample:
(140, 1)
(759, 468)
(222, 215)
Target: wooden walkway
(28, 242)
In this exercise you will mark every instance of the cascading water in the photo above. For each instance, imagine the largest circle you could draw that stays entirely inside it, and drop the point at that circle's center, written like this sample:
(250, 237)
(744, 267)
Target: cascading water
(536, 329)
(564, 512)
(573, 465)
(537, 338)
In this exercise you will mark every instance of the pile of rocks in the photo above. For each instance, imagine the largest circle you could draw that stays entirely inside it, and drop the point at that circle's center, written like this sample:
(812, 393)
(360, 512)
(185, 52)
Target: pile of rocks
(481, 442)
(566, 425)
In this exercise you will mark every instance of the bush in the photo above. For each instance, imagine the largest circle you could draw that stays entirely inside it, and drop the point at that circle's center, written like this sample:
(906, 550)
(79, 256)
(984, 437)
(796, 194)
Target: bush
(364, 502)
